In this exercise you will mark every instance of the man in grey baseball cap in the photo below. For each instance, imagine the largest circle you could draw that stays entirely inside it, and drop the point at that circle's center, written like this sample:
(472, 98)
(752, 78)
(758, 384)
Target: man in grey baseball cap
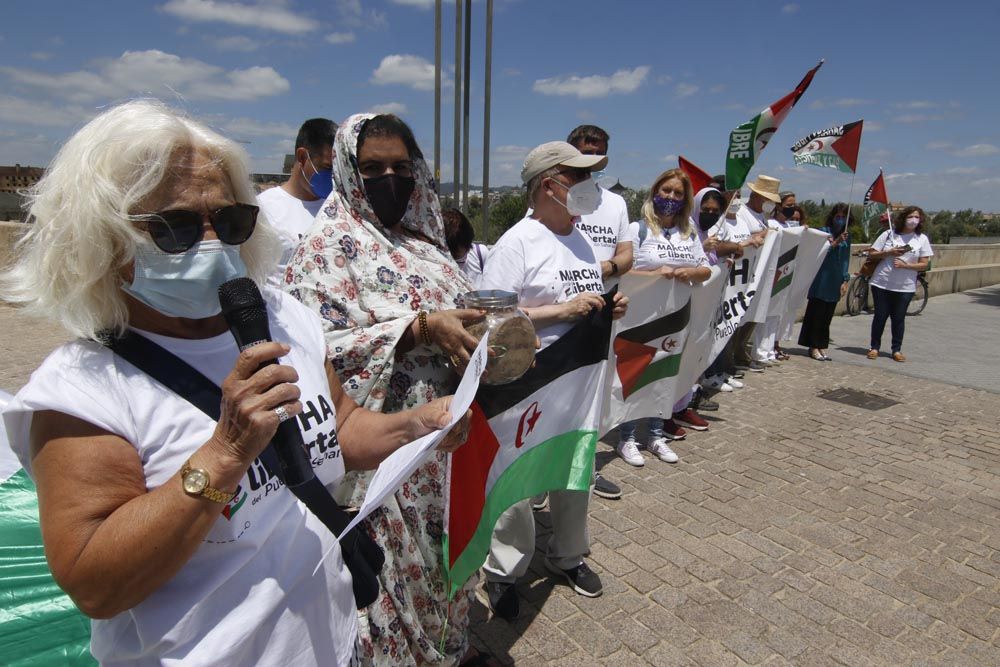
(551, 266)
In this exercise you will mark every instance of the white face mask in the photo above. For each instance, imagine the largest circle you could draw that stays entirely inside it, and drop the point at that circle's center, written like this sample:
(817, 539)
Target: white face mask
(582, 198)
(911, 223)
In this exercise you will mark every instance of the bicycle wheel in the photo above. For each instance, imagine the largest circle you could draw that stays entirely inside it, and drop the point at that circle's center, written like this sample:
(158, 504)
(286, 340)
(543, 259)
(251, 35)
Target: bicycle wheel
(857, 295)
(919, 300)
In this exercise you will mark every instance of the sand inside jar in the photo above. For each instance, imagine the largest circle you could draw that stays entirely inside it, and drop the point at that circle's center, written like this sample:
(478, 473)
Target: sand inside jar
(514, 342)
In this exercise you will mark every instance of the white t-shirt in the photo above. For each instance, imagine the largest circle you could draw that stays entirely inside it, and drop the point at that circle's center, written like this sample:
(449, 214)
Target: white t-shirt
(291, 217)
(472, 263)
(607, 226)
(248, 595)
(668, 248)
(889, 277)
(543, 268)
(738, 229)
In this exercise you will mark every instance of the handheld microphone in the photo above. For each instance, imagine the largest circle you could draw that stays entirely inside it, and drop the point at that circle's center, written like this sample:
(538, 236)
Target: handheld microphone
(246, 314)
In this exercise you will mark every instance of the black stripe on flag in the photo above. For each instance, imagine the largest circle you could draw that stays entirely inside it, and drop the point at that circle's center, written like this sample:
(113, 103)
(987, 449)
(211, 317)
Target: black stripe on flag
(585, 344)
(786, 257)
(664, 326)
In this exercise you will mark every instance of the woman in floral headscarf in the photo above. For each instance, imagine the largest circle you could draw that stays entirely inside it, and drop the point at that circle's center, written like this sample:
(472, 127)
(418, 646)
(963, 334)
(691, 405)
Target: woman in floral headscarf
(376, 267)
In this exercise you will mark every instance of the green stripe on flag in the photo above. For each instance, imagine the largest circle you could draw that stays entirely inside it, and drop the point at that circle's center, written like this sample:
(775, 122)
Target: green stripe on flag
(785, 281)
(664, 368)
(562, 462)
(41, 625)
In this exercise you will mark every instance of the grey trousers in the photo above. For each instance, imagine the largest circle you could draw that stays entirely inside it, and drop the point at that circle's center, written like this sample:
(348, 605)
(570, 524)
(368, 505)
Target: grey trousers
(513, 542)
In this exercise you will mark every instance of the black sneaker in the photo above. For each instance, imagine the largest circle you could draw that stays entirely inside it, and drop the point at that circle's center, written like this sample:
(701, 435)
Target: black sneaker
(538, 502)
(700, 402)
(503, 600)
(606, 489)
(581, 578)
(756, 367)
(736, 373)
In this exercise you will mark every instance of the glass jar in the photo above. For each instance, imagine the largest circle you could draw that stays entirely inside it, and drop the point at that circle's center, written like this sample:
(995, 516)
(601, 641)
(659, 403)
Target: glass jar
(512, 336)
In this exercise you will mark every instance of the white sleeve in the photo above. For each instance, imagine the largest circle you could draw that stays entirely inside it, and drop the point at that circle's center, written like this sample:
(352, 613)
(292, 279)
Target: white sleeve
(632, 234)
(504, 270)
(624, 226)
(928, 250)
(883, 238)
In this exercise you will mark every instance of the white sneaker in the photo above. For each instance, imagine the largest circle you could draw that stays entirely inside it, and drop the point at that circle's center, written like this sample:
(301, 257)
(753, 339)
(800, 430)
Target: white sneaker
(629, 450)
(717, 382)
(661, 450)
(734, 383)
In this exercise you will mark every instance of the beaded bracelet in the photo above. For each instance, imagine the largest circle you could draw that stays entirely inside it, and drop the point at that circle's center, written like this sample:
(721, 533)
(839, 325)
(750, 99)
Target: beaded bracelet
(425, 331)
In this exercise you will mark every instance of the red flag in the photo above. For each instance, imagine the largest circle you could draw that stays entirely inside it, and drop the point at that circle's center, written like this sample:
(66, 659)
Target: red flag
(699, 179)
(876, 201)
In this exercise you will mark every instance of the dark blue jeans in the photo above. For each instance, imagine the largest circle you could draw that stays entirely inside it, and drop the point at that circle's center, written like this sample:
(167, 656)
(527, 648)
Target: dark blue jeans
(890, 306)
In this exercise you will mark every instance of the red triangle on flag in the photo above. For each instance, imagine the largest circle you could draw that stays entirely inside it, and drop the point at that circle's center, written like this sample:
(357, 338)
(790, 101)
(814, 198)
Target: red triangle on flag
(877, 191)
(632, 361)
(848, 145)
(699, 179)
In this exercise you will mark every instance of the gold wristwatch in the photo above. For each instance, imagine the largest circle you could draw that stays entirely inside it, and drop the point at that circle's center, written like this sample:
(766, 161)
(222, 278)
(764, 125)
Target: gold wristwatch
(196, 482)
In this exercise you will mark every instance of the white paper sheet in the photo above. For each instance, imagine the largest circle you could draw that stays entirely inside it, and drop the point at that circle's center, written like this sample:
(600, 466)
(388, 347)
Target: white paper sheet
(400, 464)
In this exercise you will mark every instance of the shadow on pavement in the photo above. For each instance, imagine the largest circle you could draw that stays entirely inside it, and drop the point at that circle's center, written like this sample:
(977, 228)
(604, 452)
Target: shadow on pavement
(987, 296)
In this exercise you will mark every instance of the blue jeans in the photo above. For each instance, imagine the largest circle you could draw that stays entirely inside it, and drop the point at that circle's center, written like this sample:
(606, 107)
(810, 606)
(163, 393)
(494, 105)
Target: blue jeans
(627, 430)
(890, 306)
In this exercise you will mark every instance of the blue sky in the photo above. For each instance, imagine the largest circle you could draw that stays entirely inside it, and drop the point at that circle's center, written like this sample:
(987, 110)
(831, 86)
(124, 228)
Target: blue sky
(664, 78)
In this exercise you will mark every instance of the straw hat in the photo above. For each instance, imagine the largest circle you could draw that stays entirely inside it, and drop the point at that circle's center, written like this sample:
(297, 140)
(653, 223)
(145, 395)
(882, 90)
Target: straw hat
(767, 188)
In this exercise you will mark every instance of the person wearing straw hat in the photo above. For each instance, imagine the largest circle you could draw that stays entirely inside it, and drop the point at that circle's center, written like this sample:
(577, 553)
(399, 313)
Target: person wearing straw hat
(751, 221)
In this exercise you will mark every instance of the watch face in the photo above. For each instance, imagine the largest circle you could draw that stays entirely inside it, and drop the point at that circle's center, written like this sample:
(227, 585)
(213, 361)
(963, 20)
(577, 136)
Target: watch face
(195, 481)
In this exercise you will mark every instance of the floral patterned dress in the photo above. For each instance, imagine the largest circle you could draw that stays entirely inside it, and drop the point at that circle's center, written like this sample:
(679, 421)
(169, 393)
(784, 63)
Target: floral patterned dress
(368, 283)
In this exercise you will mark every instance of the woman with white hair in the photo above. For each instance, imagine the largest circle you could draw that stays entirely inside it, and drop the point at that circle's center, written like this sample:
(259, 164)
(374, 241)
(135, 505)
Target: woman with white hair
(165, 526)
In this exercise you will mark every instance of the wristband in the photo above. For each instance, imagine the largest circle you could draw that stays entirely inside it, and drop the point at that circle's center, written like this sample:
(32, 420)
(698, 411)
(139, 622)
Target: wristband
(614, 268)
(425, 330)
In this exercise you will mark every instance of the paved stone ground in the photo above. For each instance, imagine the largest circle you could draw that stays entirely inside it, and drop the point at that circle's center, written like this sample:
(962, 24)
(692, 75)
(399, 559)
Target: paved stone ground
(796, 531)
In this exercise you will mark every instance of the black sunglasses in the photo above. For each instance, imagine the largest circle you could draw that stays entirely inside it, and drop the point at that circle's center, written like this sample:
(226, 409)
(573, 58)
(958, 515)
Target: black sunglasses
(178, 230)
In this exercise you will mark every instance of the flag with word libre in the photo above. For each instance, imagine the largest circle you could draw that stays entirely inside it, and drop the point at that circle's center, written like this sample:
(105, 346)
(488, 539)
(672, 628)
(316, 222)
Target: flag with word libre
(646, 347)
(835, 147)
(535, 434)
(699, 178)
(876, 200)
(41, 625)
(749, 139)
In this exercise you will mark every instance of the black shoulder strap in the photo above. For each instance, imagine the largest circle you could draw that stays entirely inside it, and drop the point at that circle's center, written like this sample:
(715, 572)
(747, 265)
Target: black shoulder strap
(187, 382)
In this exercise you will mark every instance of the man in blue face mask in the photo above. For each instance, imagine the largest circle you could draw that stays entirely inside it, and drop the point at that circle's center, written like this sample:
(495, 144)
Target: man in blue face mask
(292, 206)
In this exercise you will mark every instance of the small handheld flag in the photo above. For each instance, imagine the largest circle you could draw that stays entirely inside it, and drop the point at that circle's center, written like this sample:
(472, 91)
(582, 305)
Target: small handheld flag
(836, 147)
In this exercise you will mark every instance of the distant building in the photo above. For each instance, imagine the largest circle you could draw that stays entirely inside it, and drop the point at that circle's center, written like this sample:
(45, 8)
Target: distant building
(263, 182)
(286, 167)
(618, 188)
(17, 177)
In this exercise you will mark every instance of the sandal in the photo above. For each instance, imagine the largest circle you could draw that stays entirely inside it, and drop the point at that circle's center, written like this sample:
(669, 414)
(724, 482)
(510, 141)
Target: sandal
(898, 356)
(816, 354)
(872, 354)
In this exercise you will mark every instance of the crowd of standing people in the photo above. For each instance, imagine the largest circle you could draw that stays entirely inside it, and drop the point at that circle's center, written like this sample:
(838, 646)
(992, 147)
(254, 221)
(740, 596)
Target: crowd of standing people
(141, 217)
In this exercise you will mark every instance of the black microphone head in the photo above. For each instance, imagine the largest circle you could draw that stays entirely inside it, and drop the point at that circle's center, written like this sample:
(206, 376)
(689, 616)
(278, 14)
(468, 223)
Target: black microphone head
(245, 311)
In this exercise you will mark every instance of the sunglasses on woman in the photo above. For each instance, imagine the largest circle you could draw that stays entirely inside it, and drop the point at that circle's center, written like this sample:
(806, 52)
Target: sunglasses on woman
(177, 231)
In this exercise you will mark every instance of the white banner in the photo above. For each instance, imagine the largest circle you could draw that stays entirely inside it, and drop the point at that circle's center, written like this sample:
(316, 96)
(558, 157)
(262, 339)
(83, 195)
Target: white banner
(740, 292)
(705, 300)
(812, 250)
(765, 268)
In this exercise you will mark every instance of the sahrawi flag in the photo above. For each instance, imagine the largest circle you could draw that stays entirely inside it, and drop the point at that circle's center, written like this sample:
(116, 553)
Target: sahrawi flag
(646, 350)
(836, 147)
(532, 435)
(876, 199)
(749, 139)
(41, 625)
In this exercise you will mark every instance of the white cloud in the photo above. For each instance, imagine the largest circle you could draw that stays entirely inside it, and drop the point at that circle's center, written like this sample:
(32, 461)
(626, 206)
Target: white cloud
(790, 8)
(939, 145)
(873, 126)
(412, 71)
(977, 150)
(419, 4)
(262, 15)
(685, 90)
(670, 158)
(341, 37)
(511, 151)
(154, 72)
(910, 118)
(963, 170)
(718, 88)
(511, 71)
(664, 79)
(900, 177)
(248, 127)
(397, 108)
(842, 102)
(987, 182)
(235, 43)
(20, 111)
(353, 15)
(583, 87)
(41, 55)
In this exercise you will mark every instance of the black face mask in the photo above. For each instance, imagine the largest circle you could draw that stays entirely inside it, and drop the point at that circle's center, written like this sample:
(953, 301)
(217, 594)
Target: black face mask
(389, 196)
(788, 212)
(707, 220)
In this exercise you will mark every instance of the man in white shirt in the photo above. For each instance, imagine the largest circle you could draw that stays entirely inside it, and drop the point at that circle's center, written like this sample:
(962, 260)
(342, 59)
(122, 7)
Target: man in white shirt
(292, 206)
(608, 231)
(548, 262)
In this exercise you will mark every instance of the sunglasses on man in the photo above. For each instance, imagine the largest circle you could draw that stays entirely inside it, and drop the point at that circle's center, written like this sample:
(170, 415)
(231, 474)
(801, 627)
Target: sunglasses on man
(177, 231)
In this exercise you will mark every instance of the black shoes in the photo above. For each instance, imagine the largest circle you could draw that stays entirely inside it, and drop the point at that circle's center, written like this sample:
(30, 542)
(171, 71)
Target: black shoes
(503, 600)
(606, 488)
(581, 578)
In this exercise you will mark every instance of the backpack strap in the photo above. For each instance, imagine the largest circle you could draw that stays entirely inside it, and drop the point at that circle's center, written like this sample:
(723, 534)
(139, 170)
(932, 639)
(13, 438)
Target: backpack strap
(643, 232)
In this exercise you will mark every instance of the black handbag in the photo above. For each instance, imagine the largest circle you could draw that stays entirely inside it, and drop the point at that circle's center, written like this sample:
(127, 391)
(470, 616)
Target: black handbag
(362, 556)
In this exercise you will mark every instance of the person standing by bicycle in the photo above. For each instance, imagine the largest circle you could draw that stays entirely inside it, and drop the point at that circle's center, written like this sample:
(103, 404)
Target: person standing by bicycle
(829, 285)
(904, 250)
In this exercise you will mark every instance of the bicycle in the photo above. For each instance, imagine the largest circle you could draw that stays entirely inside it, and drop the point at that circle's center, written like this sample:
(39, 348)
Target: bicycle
(856, 299)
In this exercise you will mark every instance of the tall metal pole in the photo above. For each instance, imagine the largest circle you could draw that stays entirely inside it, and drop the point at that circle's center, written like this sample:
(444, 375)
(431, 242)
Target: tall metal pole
(437, 95)
(465, 105)
(458, 101)
(484, 238)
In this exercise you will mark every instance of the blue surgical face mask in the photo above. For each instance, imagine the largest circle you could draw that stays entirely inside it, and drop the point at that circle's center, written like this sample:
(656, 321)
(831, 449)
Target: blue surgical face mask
(185, 284)
(321, 182)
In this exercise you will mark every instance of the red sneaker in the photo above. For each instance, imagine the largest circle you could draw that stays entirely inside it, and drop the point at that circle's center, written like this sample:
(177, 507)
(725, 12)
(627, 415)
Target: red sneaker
(691, 419)
(672, 430)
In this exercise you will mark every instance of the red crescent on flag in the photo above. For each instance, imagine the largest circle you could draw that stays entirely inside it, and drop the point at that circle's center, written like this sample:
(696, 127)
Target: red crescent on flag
(531, 420)
(819, 145)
